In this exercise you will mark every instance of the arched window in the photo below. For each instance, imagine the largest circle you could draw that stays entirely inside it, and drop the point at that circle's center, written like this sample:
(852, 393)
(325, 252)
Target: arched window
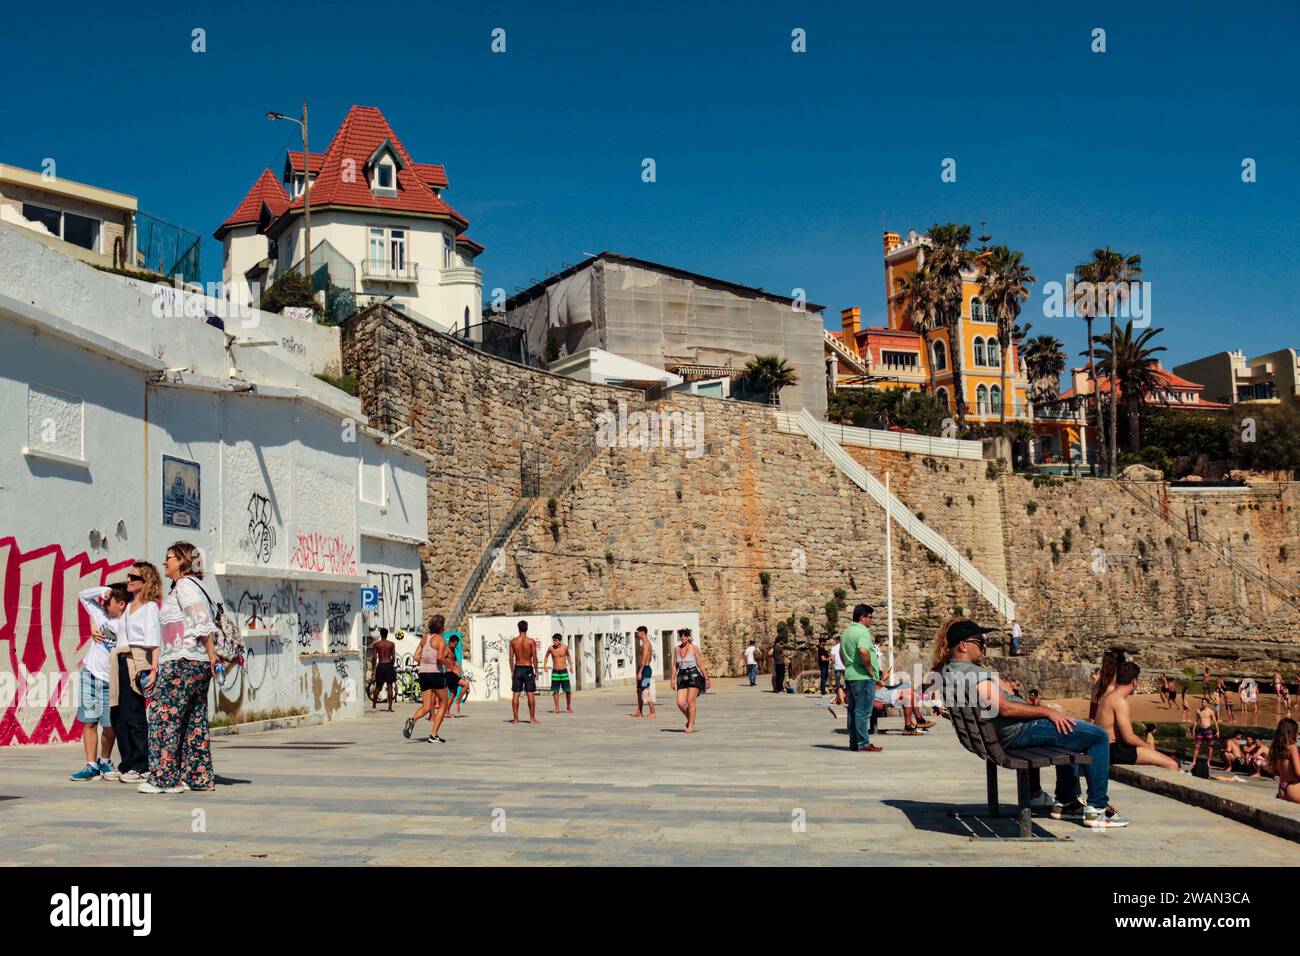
(995, 399)
(982, 400)
(979, 350)
(942, 395)
(977, 310)
(993, 354)
(940, 356)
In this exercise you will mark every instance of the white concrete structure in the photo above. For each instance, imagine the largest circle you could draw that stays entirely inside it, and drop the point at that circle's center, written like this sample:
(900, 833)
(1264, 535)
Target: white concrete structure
(606, 368)
(379, 224)
(603, 642)
(126, 432)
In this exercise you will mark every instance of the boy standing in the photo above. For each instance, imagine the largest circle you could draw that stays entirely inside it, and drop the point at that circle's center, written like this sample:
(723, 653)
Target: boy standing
(92, 694)
(1206, 729)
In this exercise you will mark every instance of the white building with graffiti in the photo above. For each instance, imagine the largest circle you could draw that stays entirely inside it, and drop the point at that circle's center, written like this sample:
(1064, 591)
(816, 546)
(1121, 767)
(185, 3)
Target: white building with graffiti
(126, 430)
(603, 645)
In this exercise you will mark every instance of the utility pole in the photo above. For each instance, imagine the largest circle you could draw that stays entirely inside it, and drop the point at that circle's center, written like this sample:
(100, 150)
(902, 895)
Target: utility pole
(306, 179)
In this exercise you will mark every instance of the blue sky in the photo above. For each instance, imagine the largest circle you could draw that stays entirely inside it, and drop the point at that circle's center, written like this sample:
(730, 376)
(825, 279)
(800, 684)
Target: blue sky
(774, 169)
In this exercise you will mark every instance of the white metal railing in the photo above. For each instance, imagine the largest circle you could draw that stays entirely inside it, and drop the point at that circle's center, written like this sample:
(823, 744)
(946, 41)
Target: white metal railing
(387, 271)
(822, 436)
(890, 441)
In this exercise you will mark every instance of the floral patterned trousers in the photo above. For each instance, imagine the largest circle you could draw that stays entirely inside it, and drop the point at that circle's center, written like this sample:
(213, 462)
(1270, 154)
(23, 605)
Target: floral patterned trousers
(179, 746)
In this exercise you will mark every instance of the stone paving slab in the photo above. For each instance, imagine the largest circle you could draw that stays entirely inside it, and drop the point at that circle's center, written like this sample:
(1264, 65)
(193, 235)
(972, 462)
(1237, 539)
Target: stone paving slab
(595, 787)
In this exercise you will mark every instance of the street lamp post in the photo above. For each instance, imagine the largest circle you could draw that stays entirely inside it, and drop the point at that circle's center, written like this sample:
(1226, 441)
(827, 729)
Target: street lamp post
(306, 179)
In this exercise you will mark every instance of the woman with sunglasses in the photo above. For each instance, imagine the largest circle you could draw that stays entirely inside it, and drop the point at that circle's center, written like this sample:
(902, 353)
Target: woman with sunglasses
(139, 640)
(180, 751)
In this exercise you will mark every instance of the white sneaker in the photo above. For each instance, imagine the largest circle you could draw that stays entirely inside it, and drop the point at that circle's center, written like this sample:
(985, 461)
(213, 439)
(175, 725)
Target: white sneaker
(1102, 818)
(1042, 801)
(147, 787)
(131, 776)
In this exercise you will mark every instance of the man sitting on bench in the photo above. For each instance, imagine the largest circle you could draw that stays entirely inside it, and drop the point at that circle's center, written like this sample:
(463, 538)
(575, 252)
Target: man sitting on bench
(1126, 747)
(1020, 725)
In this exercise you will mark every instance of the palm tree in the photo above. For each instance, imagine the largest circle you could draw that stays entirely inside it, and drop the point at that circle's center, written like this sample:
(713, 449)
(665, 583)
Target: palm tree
(1004, 284)
(1044, 358)
(949, 258)
(770, 373)
(920, 293)
(1131, 361)
(1111, 274)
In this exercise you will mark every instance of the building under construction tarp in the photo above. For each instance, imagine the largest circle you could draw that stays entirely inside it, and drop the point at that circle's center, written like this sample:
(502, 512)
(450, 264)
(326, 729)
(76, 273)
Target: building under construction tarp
(674, 320)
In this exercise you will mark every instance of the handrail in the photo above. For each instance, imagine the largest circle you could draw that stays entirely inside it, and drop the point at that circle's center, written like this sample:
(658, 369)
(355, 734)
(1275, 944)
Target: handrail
(903, 516)
(892, 441)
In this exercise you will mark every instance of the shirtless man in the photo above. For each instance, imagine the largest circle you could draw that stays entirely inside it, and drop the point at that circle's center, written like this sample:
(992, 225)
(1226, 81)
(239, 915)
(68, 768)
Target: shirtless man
(1221, 688)
(523, 673)
(1113, 716)
(1205, 728)
(644, 670)
(559, 653)
(1283, 695)
(382, 653)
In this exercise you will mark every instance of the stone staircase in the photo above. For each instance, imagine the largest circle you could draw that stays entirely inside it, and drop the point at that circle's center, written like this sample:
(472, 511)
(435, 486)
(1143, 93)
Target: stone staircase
(513, 519)
(902, 516)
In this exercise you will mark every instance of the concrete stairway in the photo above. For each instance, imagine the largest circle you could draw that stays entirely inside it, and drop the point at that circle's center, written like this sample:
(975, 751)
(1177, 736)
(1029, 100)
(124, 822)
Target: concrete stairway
(821, 437)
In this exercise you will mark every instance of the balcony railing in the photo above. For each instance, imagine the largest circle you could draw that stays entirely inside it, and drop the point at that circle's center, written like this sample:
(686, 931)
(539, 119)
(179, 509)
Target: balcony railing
(381, 270)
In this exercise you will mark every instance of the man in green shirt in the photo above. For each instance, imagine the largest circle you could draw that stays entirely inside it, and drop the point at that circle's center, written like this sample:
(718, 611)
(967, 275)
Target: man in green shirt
(861, 671)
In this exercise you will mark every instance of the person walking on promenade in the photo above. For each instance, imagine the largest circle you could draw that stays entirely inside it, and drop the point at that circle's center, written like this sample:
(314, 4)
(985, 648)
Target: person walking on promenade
(751, 663)
(382, 654)
(689, 676)
(559, 653)
(778, 666)
(644, 668)
(823, 664)
(428, 668)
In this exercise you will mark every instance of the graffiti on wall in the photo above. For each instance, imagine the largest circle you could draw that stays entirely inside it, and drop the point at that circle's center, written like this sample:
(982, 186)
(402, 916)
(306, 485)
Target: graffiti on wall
(43, 636)
(261, 528)
(396, 610)
(338, 630)
(309, 620)
(271, 612)
(617, 646)
(322, 553)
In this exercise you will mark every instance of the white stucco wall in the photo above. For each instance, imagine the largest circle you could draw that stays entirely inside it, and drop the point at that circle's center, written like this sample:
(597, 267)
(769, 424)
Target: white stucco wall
(604, 644)
(280, 506)
(442, 294)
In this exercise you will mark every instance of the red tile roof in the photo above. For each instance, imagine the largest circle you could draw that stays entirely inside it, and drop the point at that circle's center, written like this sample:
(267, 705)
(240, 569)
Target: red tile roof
(432, 174)
(294, 161)
(363, 131)
(462, 238)
(1170, 381)
(266, 191)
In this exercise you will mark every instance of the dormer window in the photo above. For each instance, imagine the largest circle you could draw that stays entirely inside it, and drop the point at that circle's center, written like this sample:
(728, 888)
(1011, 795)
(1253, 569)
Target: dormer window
(383, 164)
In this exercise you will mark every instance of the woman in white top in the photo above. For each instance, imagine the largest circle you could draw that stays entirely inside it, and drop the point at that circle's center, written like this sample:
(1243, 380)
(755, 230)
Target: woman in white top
(180, 754)
(139, 629)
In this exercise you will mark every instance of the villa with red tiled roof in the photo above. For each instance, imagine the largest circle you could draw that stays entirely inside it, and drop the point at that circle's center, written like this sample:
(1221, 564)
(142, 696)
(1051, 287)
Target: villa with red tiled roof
(380, 227)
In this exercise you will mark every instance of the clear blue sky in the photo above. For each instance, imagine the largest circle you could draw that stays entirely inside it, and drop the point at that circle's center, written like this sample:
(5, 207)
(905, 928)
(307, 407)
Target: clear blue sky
(775, 169)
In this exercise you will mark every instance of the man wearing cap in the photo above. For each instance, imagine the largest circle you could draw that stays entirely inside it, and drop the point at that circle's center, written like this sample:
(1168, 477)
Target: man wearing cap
(1020, 725)
(861, 671)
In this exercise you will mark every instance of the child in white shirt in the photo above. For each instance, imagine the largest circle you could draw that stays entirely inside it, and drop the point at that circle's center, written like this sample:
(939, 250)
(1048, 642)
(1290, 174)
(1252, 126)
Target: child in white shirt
(104, 607)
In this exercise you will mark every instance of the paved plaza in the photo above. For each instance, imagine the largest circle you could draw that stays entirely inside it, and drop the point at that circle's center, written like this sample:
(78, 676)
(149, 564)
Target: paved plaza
(594, 787)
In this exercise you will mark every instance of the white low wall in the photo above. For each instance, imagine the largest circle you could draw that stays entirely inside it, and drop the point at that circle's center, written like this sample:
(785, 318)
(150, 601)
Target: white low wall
(603, 642)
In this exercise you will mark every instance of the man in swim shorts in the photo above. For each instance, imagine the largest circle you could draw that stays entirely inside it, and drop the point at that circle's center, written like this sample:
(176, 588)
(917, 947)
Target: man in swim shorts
(558, 653)
(523, 673)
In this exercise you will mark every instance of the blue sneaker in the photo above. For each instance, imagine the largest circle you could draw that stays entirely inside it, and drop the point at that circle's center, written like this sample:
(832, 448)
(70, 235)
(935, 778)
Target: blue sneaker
(107, 770)
(89, 772)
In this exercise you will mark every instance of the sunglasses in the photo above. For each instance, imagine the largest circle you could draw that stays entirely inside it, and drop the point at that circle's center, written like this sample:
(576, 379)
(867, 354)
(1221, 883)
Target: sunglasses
(134, 577)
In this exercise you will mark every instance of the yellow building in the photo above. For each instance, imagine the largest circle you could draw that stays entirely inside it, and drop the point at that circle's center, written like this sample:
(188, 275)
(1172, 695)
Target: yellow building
(896, 356)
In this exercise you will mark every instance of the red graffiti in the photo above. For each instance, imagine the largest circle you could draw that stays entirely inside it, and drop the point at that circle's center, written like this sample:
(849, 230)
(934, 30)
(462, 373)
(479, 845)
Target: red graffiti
(46, 632)
(324, 554)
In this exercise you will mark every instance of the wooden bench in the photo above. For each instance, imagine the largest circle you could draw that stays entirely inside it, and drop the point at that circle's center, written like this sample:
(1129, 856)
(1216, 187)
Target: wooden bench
(976, 734)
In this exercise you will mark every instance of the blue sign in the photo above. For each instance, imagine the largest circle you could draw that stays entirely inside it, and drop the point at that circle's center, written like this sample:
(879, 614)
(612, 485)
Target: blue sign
(369, 599)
